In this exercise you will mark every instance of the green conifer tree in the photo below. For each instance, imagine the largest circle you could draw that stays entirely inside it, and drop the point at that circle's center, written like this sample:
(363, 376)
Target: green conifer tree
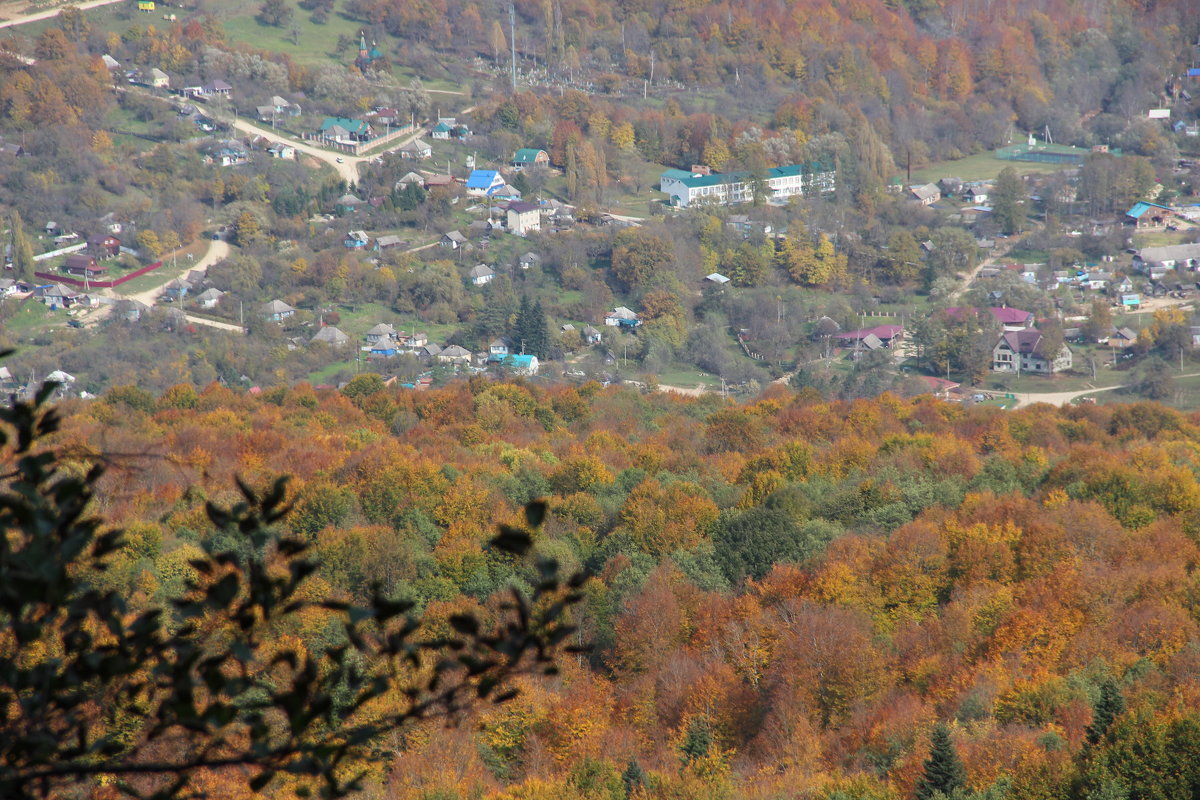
(696, 742)
(1107, 708)
(634, 778)
(944, 770)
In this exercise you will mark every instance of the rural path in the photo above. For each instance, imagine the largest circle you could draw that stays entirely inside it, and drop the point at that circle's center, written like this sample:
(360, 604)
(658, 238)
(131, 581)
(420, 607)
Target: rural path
(49, 13)
(212, 323)
(218, 250)
(1059, 398)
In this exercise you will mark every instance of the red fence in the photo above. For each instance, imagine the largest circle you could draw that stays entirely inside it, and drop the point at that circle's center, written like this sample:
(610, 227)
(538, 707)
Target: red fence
(90, 284)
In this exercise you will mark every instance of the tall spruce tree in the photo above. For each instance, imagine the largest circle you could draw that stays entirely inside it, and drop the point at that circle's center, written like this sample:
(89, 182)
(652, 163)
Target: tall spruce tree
(944, 770)
(1107, 708)
(634, 777)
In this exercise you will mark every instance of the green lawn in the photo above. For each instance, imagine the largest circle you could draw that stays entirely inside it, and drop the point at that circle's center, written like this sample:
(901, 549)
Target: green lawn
(1185, 394)
(688, 378)
(1161, 238)
(979, 167)
(25, 319)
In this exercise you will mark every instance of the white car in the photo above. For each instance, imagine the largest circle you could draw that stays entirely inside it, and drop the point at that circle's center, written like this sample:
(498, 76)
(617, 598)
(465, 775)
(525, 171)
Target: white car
(340, 160)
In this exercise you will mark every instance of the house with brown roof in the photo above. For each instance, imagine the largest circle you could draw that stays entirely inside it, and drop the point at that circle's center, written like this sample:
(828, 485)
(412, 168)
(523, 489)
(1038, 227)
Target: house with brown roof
(83, 265)
(1022, 351)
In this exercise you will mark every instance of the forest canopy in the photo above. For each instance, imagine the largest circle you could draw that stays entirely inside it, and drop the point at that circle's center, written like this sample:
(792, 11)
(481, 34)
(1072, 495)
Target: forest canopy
(791, 595)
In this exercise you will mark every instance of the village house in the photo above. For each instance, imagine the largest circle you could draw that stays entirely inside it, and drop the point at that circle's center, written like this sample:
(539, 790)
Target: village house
(885, 335)
(484, 182)
(442, 181)
(441, 130)
(454, 354)
(356, 240)
(282, 150)
(481, 275)
(1173, 256)
(1148, 215)
(977, 193)
(528, 260)
(1021, 351)
(345, 130)
(1010, 319)
(103, 246)
(500, 347)
(622, 317)
(530, 157)
(209, 298)
(276, 310)
(452, 240)
(521, 364)
(746, 226)
(926, 195)
(590, 335)
(388, 242)
(84, 266)
(416, 149)
(523, 217)
(331, 336)
(177, 289)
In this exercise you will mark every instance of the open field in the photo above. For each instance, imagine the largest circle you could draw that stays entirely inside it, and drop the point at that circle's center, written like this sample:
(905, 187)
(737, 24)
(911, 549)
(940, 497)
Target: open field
(980, 167)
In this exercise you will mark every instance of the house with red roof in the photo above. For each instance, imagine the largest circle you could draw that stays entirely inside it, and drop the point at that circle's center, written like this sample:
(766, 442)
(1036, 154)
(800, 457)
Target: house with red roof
(1011, 319)
(886, 334)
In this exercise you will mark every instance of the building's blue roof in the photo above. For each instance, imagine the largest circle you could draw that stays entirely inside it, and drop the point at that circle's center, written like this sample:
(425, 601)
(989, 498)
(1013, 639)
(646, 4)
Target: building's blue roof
(482, 179)
(1142, 207)
(441, 127)
(519, 361)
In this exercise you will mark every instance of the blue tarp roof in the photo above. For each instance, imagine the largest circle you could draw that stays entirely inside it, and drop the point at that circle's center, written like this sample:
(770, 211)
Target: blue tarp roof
(482, 179)
(1142, 207)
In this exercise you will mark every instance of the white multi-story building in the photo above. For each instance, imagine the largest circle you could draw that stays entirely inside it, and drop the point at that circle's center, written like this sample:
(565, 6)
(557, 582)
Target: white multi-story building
(727, 188)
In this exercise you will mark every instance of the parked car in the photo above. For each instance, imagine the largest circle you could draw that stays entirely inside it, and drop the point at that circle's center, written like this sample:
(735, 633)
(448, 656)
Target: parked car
(74, 323)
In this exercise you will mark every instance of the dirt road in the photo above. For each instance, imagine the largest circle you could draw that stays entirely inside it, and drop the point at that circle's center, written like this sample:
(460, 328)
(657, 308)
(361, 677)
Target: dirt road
(218, 250)
(37, 16)
(1058, 398)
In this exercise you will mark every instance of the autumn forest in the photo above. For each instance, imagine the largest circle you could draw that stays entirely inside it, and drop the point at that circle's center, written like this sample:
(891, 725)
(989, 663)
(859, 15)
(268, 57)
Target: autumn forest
(787, 596)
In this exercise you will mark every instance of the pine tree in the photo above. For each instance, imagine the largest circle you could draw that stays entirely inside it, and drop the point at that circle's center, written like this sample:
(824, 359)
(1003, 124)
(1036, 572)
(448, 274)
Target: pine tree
(522, 333)
(1107, 708)
(944, 770)
(539, 331)
(696, 742)
(634, 778)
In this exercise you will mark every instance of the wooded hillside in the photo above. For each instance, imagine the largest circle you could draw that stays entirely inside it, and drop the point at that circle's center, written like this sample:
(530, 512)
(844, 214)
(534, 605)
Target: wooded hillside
(788, 594)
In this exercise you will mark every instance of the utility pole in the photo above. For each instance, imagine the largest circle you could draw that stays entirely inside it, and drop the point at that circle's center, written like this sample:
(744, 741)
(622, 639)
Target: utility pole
(512, 42)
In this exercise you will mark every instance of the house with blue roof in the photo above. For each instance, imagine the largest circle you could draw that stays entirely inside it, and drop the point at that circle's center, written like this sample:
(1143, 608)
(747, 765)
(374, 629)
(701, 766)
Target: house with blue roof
(440, 131)
(702, 187)
(521, 364)
(484, 182)
(1148, 215)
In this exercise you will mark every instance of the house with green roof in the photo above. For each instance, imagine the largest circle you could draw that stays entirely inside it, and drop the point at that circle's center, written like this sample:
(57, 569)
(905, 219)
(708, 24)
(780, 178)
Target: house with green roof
(341, 128)
(777, 184)
(530, 157)
(440, 131)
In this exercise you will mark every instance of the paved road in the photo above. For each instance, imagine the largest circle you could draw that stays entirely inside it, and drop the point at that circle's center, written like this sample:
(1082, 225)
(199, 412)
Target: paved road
(37, 16)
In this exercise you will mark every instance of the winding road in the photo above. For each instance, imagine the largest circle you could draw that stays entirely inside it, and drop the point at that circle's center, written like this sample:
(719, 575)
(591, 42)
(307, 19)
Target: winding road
(49, 13)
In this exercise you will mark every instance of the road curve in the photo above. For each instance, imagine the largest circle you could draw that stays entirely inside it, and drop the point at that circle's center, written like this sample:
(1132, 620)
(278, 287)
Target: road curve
(218, 250)
(38, 16)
